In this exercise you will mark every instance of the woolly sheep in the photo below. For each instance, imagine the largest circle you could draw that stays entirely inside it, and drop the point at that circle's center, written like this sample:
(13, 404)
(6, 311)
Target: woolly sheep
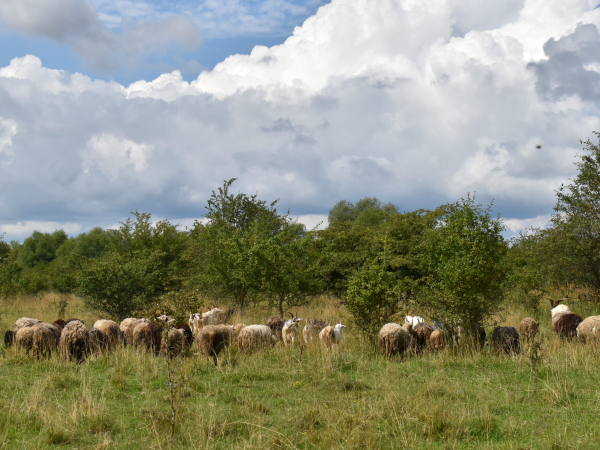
(153, 337)
(414, 320)
(331, 335)
(212, 339)
(24, 339)
(557, 310)
(589, 329)
(25, 322)
(125, 326)
(255, 337)
(59, 323)
(177, 341)
(290, 330)
(99, 341)
(312, 329)
(136, 333)
(75, 341)
(437, 340)
(187, 331)
(505, 340)
(275, 323)
(112, 331)
(566, 325)
(9, 338)
(528, 329)
(394, 339)
(236, 330)
(421, 335)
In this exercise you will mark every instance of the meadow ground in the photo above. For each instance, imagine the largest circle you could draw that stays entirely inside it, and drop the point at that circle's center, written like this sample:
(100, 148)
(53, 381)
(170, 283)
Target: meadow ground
(350, 398)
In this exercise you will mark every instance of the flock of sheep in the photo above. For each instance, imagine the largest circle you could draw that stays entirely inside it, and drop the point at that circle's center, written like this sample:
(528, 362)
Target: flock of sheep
(211, 334)
(207, 330)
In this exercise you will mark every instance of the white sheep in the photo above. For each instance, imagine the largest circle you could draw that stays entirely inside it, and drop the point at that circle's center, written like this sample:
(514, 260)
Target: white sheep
(414, 320)
(254, 337)
(290, 330)
(331, 335)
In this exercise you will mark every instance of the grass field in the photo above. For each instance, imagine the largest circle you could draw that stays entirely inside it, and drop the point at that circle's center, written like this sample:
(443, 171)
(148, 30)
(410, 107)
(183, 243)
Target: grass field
(280, 398)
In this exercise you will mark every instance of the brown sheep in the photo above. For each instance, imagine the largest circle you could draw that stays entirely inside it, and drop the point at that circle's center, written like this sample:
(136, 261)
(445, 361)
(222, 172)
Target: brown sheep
(177, 341)
(189, 336)
(589, 329)
(112, 332)
(212, 339)
(46, 337)
(137, 331)
(505, 340)
(59, 323)
(24, 339)
(421, 335)
(129, 329)
(275, 323)
(528, 329)
(124, 327)
(566, 325)
(437, 340)
(312, 329)
(99, 341)
(394, 339)
(153, 337)
(75, 341)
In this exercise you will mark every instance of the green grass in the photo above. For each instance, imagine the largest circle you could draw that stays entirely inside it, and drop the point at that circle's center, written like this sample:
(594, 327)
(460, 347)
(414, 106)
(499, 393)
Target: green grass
(350, 398)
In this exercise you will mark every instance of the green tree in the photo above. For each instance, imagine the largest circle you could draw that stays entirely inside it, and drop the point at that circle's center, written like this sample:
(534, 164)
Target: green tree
(571, 247)
(284, 266)
(223, 249)
(368, 209)
(465, 253)
(143, 261)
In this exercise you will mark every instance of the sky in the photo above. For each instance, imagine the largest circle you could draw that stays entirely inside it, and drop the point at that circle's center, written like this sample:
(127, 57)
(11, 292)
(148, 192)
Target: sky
(111, 106)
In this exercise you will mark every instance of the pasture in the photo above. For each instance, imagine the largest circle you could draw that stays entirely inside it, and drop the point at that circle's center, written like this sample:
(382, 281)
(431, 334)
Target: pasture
(350, 398)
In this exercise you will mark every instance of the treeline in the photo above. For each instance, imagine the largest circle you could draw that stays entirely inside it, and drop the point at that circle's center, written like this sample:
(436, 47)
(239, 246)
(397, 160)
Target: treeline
(451, 263)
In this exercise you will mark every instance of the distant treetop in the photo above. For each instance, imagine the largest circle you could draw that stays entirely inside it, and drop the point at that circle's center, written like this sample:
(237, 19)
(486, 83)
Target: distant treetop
(366, 211)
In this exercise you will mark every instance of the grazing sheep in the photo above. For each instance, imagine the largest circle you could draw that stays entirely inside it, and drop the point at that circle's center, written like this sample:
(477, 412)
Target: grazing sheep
(25, 322)
(112, 331)
(290, 330)
(566, 325)
(187, 331)
(59, 323)
(437, 340)
(236, 330)
(505, 340)
(213, 338)
(9, 338)
(73, 319)
(275, 323)
(177, 341)
(45, 339)
(312, 329)
(135, 333)
(153, 337)
(421, 334)
(414, 320)
(528, 329)
(589, 329)
(195, 322)
(75, 341)
(126, 324)
(255, 337)
(99, 341)
(331, 335)
(24, 339)
(558, 310)
(394, 339)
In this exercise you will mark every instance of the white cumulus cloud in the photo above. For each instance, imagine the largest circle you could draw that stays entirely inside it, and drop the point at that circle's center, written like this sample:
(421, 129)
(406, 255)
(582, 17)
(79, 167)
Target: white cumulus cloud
(415, 102)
